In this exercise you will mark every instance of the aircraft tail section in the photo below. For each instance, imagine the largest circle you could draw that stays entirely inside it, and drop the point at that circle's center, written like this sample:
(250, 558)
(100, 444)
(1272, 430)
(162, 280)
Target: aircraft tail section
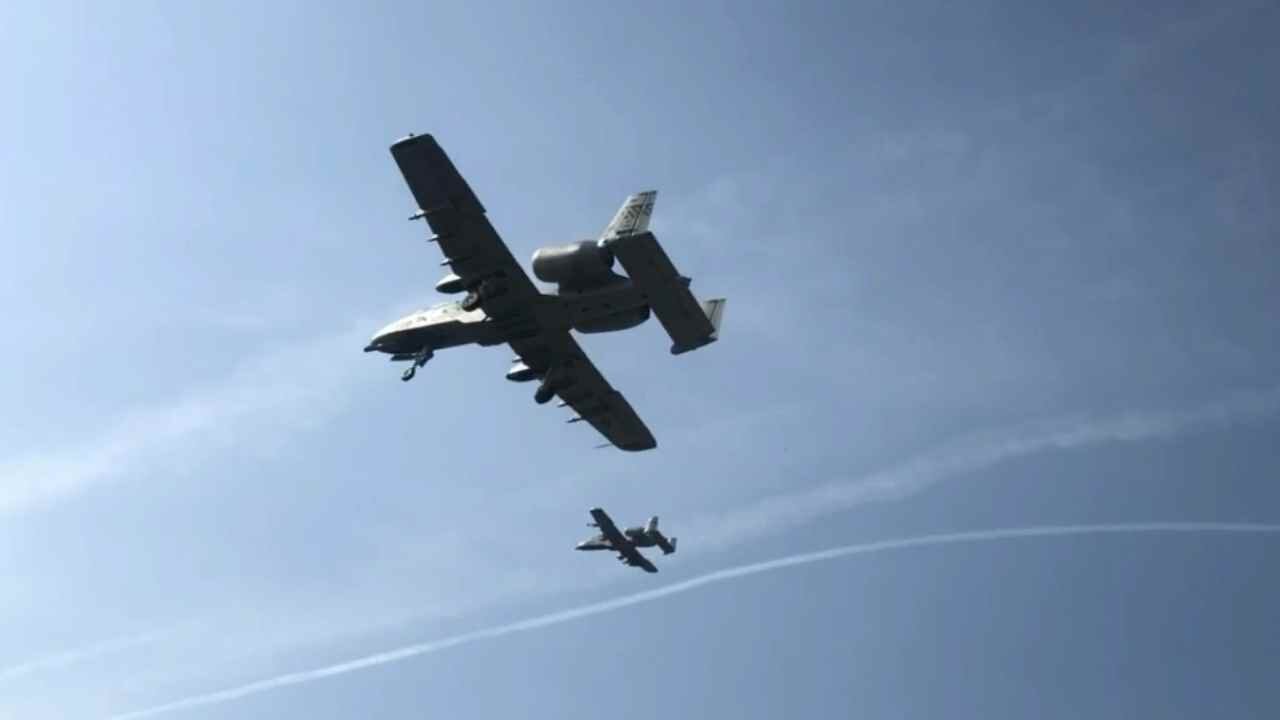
(632, 217)
(714, 310)
(667, 545)
(690, 324)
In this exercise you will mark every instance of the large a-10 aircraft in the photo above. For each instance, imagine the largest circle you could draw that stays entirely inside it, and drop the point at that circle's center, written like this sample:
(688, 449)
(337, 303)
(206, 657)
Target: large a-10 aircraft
(626, 542)
(502, 305)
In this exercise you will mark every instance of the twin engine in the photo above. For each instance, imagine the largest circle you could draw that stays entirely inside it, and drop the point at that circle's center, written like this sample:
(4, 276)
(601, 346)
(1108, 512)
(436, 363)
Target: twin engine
(579, 269)
(576, 267)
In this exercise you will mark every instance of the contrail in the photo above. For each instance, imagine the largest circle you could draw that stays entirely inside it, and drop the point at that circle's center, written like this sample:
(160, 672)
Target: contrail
(541, 621)
(70, 657)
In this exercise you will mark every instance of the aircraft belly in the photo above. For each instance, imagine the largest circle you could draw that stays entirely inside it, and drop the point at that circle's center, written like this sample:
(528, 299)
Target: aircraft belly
(437, 335)
(453, 334)
(589, 308)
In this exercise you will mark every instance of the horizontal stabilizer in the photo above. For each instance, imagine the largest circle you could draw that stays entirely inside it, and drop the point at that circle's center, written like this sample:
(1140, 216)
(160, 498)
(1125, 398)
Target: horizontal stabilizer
(667, 545)
(689, 323)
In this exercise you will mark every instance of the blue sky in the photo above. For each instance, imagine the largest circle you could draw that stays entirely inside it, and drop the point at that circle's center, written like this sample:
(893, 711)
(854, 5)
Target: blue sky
(999, 265)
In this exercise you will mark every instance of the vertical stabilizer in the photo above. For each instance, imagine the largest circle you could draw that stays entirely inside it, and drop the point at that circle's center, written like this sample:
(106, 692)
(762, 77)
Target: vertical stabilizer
(633, 217)
(714, 310)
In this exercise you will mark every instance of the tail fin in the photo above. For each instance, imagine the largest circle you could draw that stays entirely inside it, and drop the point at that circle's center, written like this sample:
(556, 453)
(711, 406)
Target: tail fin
(652, 526)
(714, 310)
(633, 217)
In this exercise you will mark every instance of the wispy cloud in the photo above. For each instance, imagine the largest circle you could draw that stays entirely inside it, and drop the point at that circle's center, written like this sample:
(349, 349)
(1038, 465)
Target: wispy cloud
(67, 658)
(564, 616)
(301, 382)
(966, 456)
(721, 529)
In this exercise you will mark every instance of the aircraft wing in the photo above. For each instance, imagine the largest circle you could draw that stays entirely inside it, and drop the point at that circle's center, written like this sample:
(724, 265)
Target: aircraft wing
(624, 547)
(471, 246)
(635, 559)
(581, 386)
(608, 529)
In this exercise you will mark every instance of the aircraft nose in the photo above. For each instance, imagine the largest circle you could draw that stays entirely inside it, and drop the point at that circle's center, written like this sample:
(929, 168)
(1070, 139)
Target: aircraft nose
(379, 339)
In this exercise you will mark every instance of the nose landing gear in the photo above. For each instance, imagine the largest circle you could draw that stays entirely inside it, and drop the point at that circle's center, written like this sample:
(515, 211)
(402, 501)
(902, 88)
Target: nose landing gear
(419, 359)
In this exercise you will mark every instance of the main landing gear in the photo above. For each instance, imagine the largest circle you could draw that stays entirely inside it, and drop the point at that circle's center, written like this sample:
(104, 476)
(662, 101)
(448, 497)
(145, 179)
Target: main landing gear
(420, 358)
(487, 290)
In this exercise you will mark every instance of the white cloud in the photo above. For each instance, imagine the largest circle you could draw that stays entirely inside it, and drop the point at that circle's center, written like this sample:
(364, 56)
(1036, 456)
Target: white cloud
(772, 514)
(296, 385)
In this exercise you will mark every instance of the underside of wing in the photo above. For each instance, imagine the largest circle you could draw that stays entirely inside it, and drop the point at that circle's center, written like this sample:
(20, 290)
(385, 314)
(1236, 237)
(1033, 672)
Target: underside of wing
(608, 528)
(633, 558)
(479, 260)
(558, 359)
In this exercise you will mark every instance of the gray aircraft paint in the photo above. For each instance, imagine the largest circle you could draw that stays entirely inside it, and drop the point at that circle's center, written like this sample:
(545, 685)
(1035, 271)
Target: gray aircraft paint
(502, 305)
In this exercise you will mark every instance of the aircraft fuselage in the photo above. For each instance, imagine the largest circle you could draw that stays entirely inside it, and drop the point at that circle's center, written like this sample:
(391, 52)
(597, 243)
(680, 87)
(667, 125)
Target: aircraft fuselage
(617, 307)
(637, 535)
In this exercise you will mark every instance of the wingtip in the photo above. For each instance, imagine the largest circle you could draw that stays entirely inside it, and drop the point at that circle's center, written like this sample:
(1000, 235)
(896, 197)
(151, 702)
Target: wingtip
(412, 138)
(639, 446)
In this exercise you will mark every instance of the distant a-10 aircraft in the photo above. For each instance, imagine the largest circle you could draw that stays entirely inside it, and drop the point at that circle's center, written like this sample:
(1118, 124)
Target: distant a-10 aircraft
(625, 542)
(502, 305)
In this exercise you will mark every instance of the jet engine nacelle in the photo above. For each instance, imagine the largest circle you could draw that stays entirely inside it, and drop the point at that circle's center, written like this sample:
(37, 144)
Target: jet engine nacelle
(450, 284)
(574, 264)
(522, 373)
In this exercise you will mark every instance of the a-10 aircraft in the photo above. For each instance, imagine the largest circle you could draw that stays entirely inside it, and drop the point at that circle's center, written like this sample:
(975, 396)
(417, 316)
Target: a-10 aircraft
(502, 305)
(625, 542)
